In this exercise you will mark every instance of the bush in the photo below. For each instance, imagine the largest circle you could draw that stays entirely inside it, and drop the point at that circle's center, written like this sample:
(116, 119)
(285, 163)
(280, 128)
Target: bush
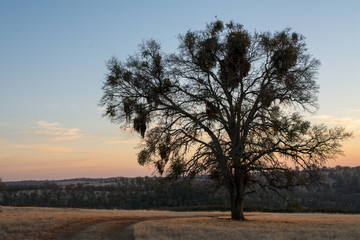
(294, 205)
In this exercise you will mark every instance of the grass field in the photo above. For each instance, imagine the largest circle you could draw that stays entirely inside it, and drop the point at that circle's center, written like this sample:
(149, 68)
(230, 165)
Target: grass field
(258, 226)
(47, 223)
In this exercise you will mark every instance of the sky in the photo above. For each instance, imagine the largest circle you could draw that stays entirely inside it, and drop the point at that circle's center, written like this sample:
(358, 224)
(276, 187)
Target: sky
(52, 67)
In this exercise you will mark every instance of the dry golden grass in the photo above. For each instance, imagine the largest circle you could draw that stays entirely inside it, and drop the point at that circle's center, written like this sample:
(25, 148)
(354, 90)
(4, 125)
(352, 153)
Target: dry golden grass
(277, 226)
(38, 223)
(47, 223)
(28, 223)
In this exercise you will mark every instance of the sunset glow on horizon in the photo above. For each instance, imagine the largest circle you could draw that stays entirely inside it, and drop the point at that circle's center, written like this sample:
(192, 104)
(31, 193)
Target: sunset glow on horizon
(52, 64)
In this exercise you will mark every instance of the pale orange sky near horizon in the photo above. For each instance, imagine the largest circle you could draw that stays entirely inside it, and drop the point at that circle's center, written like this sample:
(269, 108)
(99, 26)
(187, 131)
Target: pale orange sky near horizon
(52, 65)
(54, 152)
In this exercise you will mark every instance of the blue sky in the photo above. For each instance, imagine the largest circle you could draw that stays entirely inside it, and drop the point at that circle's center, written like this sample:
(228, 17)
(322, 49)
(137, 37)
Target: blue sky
(52, 64)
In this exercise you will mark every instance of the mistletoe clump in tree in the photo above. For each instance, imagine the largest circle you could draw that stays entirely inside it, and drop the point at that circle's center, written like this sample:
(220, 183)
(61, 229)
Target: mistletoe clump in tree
(227, 104)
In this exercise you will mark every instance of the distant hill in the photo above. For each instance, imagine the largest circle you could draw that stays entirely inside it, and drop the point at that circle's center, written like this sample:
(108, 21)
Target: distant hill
(85, 181)
(63, 181)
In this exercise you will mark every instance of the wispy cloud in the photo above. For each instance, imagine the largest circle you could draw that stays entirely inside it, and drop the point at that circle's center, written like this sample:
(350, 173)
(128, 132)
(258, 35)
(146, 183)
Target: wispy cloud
(350, 123)
(118, 140)
(4, 155)
(56, 150)
(57, 132)
(36, 147)
(354, 110)
(112, 142)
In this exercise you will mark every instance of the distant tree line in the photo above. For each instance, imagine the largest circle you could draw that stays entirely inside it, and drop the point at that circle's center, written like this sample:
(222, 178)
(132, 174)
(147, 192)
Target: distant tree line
(124, 193)
(339, 189)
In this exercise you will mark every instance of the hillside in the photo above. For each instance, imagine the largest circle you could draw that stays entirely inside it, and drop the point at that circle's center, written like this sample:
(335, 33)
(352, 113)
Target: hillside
(339, 189)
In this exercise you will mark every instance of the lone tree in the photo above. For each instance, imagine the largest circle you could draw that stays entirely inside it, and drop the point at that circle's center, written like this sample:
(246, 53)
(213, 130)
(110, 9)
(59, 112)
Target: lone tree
(227, 104)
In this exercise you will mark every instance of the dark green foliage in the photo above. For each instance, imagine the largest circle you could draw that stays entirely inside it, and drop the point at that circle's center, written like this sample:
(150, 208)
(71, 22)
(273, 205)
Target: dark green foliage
(235, 65)
(2, 185)
(137, 193)
(141, 119)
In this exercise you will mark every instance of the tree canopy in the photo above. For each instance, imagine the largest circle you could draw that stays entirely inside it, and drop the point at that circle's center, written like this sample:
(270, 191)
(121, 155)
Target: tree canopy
(227, 103)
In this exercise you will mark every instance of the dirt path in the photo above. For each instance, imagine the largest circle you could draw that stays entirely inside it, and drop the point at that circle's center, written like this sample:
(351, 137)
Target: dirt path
(101, 229)
(109, 230)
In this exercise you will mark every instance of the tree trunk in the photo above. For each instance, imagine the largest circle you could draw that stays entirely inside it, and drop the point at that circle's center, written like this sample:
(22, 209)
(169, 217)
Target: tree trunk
(237, 208)
(237, 203)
